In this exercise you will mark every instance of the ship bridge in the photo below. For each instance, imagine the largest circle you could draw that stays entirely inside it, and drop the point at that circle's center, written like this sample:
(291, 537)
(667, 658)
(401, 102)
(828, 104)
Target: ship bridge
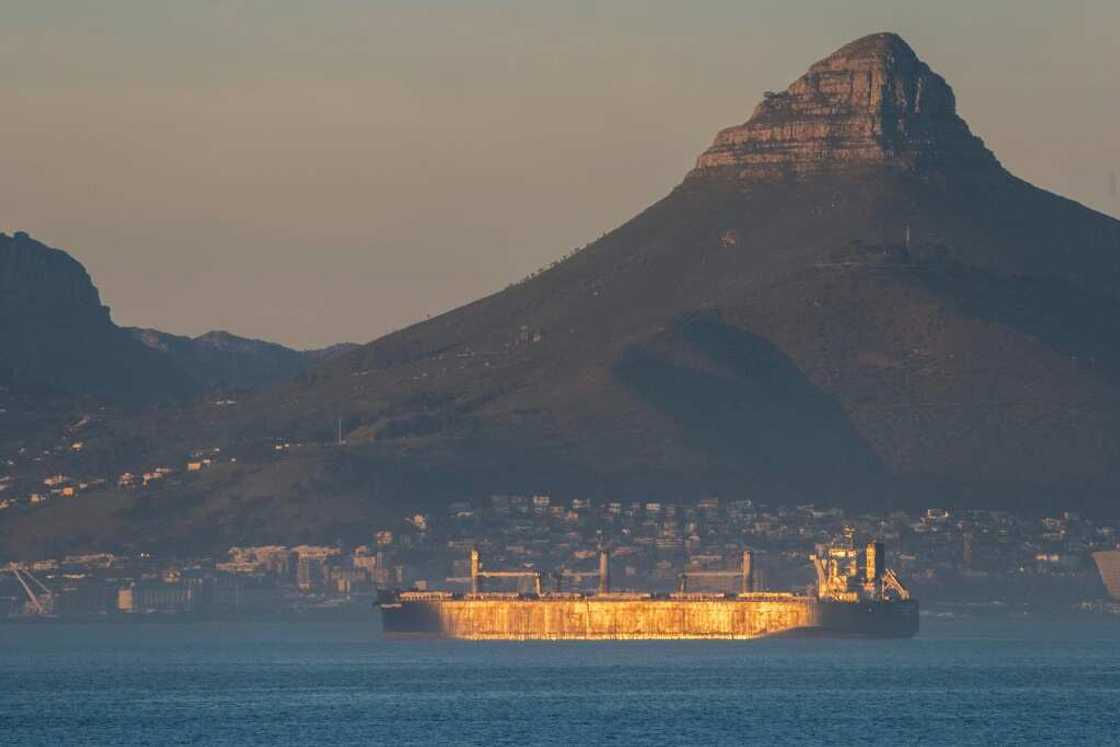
(840, 577)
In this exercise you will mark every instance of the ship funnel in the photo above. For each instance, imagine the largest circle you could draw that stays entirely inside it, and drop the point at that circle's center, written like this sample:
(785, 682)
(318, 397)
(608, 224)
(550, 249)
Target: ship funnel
(604, 571)
(874, 562)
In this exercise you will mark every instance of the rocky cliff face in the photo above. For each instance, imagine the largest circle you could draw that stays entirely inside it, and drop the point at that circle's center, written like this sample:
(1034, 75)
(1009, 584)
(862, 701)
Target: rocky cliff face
(38, 280)
(870, 103)
(57, 338)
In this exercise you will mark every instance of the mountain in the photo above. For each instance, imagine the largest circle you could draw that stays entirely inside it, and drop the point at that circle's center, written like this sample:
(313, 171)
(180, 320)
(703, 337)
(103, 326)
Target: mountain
(849, 300)
(318, 355)
(56, 337)
(220, 360)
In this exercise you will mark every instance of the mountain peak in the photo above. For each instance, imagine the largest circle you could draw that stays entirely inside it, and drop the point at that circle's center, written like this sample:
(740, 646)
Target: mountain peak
(883, 45)
(872, 102)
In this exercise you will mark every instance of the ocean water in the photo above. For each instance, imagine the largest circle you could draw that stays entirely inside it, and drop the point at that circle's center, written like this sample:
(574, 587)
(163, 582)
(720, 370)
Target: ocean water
(285, 683)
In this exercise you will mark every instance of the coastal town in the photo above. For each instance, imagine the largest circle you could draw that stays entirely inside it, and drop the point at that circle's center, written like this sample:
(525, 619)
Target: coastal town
(964, 562)
(959, 561)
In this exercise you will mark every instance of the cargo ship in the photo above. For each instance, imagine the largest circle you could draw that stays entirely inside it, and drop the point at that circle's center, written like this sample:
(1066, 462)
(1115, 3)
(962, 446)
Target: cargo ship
(855, 595)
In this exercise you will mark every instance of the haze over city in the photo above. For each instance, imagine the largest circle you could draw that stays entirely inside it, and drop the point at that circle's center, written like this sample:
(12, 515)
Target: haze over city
(332, 171)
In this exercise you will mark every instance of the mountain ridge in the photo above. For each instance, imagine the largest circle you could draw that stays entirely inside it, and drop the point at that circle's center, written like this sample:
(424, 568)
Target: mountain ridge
(57, 338)
(220, 360)
(896, 192)
(809, 316)
(56, 335)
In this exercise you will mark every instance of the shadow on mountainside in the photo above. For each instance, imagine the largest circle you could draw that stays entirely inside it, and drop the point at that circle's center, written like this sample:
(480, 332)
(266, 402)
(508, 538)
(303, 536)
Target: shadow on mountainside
(737, 397)
(1058, 314)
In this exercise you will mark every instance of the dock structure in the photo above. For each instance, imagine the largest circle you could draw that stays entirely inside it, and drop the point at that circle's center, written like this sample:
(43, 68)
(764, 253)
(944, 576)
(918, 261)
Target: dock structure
(847, 602)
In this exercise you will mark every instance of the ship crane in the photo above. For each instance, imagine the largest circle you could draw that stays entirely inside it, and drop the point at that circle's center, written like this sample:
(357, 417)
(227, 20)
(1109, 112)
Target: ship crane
(43, 602)
(745, 575)
(603, 574)
(559, 577)
(890, 581)
(477, 574)
(822, 574)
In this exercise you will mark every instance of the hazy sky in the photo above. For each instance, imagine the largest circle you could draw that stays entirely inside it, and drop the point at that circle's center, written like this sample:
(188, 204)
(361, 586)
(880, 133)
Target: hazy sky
(310, 172)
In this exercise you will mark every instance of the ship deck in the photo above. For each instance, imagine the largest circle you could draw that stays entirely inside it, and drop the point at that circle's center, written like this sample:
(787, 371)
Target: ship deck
(621, 616)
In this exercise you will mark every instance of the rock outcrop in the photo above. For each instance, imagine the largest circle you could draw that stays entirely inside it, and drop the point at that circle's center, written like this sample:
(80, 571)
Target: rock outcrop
(57, 338)
(38, 280)
(870, 103)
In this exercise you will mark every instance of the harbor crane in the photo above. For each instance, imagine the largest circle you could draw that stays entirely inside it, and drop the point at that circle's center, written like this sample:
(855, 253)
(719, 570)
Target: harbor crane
(41, 603)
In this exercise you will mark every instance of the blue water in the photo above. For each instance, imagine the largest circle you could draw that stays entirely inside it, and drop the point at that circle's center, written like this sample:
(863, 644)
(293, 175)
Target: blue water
(284, 683)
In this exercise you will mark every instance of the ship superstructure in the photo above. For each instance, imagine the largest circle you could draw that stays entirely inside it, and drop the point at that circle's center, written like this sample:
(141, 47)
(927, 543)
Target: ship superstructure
(839, 578)
(855, 595)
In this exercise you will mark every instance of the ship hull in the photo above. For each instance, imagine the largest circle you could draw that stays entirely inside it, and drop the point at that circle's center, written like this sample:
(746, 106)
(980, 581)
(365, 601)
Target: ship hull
(594, 618)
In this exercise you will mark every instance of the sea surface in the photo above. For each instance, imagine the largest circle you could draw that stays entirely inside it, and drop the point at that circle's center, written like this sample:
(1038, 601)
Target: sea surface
(300, 683)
